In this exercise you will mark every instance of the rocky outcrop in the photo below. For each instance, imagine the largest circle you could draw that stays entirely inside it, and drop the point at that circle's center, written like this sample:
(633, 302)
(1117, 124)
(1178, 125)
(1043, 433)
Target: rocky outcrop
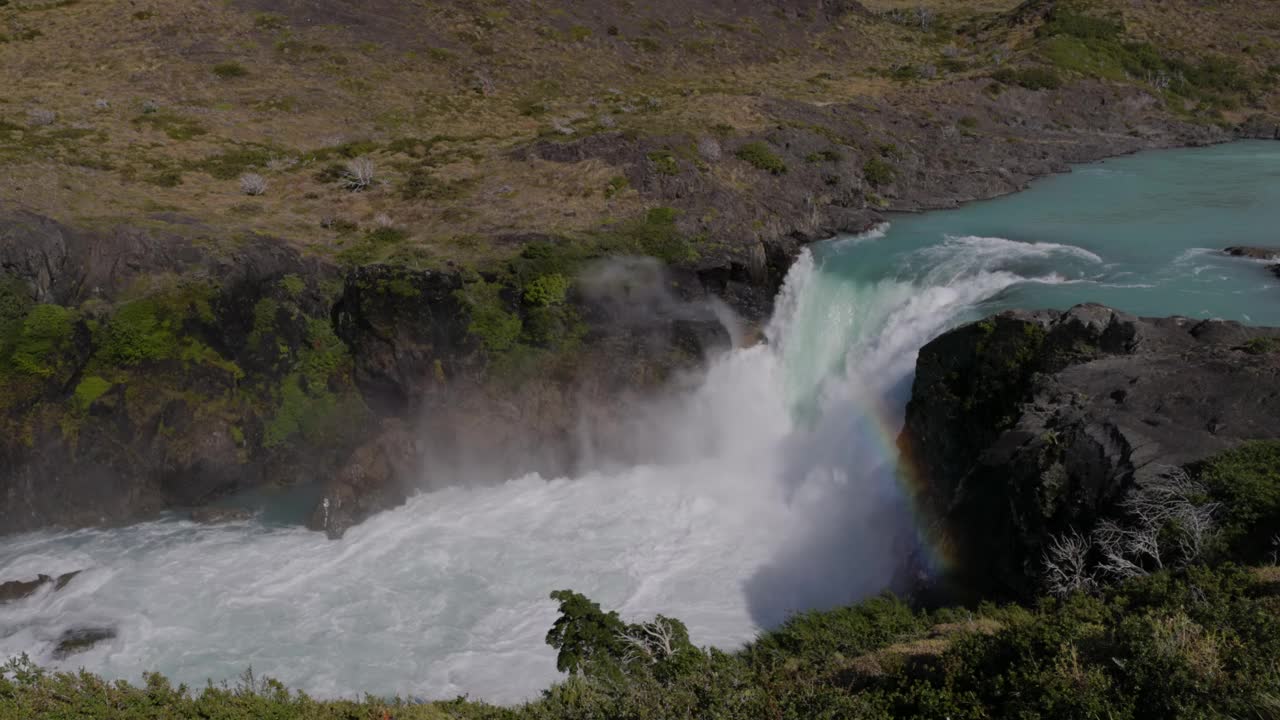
(1260, 126)
(78, 640)
(249, 365)
(379, 476)
(1253, 253)
(19, 589)
(1030, 423)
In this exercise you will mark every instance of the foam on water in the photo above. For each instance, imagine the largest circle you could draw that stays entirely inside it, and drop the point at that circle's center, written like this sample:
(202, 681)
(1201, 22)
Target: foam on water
(448, 594)
(778, 488)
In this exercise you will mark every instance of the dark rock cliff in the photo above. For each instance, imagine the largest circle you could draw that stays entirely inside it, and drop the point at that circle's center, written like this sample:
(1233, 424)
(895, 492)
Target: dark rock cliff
(1030, 423)
(145, 372)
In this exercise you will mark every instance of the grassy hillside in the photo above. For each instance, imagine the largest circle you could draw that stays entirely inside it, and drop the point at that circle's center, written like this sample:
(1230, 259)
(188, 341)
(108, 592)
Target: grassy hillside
(151, 112)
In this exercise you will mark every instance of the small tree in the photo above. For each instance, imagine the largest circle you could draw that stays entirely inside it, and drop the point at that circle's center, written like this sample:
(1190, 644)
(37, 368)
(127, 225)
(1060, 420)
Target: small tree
(585, 636)
(594, 643)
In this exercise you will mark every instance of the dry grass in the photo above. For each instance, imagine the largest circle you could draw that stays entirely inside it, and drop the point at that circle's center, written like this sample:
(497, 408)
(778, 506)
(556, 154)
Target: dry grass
(493, 76)
(938, 641)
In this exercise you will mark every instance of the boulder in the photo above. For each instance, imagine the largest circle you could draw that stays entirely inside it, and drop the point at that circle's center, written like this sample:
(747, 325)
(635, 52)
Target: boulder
(18, 589)
(1253, 252)
(78, 640)
(376, 478)
(1027, 424)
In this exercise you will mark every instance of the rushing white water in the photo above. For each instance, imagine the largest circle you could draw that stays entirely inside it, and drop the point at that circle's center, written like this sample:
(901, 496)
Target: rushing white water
(776, 495)
(774, 490)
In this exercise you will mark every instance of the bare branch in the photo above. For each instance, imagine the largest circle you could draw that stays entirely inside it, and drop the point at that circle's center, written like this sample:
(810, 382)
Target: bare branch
(1067, 565)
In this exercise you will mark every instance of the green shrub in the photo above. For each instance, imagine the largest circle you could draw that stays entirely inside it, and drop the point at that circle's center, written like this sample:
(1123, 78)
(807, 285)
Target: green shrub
(90, 388)
(878, 172)
(831, 155)
(229, 70)
(270, 21)
(849, 631)
(137, 332)
(760, 156)
(1032, 78)
(491, 322)
(232, 164)
(547, 290)
(616, 185)
(1262, 345)
(1066, 21)
(15, 303)
(1246, 483)
(664, 163)
(656, 235)
(293, 284)
(44, 338)
(386, 235)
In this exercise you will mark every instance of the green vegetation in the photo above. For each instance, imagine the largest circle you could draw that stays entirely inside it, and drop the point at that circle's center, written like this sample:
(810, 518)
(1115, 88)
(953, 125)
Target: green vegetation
(139, 331)
(1065, 20)
(878, 172)
(229, 70)
(232, 164)
(1032, 78)
(386, 235)
(309, 406)
(1094, 47)
(547, 290)
(42, 342)
(492, 322)
(824, 156)
(1246, 484)
(664, 163)
(760, 156)
(91, 388)
(1262, 345)
(293, 284)
(656, 235)
(616, 185)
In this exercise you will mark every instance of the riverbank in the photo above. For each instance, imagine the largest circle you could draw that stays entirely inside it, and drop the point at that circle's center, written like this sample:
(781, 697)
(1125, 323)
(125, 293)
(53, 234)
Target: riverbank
(195, 340)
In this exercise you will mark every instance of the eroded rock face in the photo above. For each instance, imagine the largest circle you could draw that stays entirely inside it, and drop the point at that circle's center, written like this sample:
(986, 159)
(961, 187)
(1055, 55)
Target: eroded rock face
(378, 477)
(1028, 423)
(273, 368)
